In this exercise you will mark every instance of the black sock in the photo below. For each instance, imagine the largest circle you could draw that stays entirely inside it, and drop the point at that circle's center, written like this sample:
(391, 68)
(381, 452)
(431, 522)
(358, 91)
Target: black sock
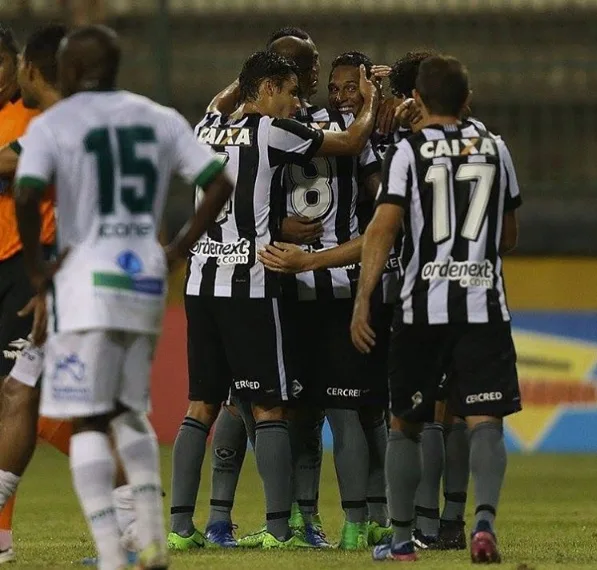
(228, 447)
(488, 468)
(427, 496)
(456, 472)
(274, 463)
(351, 458)
(187, 460)
(403, 473)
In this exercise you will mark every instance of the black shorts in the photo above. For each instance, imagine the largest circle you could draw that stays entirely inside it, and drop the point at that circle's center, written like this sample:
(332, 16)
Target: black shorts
(15, 293)
(477, 360)
(332, 372)
(240, 347)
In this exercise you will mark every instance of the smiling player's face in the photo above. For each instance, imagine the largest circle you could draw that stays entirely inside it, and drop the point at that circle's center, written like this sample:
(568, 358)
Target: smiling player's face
(343, 90)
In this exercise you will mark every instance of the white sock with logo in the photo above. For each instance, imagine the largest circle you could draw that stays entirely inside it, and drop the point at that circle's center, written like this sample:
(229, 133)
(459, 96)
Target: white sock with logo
(126, 516)
(8, 486)
(93, 469)
(138, 449)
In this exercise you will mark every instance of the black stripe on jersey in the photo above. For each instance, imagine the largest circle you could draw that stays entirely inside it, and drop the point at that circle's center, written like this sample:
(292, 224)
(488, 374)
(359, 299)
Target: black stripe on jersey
(279, 157)
(244, 213)
(461, 193)
(371, 168)
(345, 176)
(494, 311)
(277, 205)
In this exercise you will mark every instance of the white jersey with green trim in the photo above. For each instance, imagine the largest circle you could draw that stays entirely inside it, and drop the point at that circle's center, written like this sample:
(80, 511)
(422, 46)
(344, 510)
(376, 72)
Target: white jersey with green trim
(111, 156)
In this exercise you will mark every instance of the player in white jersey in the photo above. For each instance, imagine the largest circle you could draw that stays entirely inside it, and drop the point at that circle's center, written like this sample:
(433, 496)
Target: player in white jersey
(111, 154)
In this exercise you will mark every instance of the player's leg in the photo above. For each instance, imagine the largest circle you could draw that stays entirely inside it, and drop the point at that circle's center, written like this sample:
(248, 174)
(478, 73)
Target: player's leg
(15, 293)
(487, 390)
(426, 529)
(82, 373)
(263, 372)
(137, 446)
(415, 367)
(373, 420)
(228, 445)
(343, 383)
(18, 420)
(456, 477)
(209, 382)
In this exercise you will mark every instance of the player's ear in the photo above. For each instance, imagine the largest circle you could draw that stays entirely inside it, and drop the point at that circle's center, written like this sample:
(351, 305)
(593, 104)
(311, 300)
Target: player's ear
(469, 98)
(417, 98)
(268, 88)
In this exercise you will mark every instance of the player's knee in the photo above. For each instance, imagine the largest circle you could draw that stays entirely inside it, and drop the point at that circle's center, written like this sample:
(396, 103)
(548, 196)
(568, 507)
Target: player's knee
(263, 413)
(409, 429)
(203, 412)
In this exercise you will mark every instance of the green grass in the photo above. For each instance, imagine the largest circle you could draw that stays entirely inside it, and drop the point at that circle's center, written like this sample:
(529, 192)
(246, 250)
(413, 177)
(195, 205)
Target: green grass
(547, 519)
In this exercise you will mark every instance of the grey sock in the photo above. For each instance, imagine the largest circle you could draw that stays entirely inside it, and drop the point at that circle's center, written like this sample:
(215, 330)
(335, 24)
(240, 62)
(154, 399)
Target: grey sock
(274, 463)
(351, 458)
(427, 496)
(404, 463)
(377, 504)
(488, 467)
(228, 447)
(187, 459)
(305, 439)
(456, 472)
(246, 413)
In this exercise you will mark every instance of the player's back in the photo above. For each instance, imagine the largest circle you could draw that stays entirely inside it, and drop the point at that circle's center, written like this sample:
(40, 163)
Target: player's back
(111, 155)
(459, 181)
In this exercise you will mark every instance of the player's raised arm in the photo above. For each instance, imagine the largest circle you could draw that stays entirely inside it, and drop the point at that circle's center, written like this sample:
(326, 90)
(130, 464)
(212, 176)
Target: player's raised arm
(199, 165)
(226, 101)
(352, 141)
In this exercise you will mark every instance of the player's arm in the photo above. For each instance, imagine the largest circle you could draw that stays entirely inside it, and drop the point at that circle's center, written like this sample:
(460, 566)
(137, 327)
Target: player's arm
(352, 141)
(199, 165)
(289, 258)
(9, 158)
(394, 197)
(35, 171)
(512, 200)
(226, 101)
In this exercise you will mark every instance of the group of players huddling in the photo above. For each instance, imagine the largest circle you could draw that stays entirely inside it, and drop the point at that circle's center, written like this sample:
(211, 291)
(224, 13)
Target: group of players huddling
(320, 284)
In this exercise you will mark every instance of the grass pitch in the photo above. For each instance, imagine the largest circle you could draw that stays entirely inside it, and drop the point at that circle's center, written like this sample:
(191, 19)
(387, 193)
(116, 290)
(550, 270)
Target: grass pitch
(547, 519)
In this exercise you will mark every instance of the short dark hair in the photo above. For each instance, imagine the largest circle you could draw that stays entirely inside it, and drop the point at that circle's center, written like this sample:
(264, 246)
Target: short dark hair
(443, 85)
(41, 49)
(264, 65)
(285, 32)
(405, 70)
(8, 41)
(353, 59)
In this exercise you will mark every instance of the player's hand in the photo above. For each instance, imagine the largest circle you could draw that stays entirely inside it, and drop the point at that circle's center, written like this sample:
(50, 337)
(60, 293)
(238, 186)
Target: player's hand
(407, 115)
(43, 275)
(367, 87)
(37, 307)
(284, 258)
(301, 230)
(378, 73)
(363, 336)
(173, 258)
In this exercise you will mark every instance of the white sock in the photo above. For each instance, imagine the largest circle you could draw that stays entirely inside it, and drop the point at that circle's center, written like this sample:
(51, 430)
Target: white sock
(8, 485)
(93, 469)
(124, 502)
(138, 449)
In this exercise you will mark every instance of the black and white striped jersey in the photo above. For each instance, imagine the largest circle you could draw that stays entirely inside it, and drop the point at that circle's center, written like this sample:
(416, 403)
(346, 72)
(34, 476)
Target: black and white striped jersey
(327, 189)
(223, 262)
(454, 182)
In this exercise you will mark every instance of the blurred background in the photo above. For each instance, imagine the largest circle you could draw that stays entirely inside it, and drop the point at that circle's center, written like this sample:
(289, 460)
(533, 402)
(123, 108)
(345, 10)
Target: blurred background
(533, 67)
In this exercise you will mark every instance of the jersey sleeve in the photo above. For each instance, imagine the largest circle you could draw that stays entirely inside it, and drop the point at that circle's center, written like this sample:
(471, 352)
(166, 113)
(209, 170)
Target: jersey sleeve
(368, 162)
(292, 142)
(512, 198)
(396, 177)
(196, 163)
(37, 160)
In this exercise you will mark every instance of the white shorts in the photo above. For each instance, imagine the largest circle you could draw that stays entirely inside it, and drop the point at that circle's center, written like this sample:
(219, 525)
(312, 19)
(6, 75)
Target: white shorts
(87, 373)
(29, 366)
